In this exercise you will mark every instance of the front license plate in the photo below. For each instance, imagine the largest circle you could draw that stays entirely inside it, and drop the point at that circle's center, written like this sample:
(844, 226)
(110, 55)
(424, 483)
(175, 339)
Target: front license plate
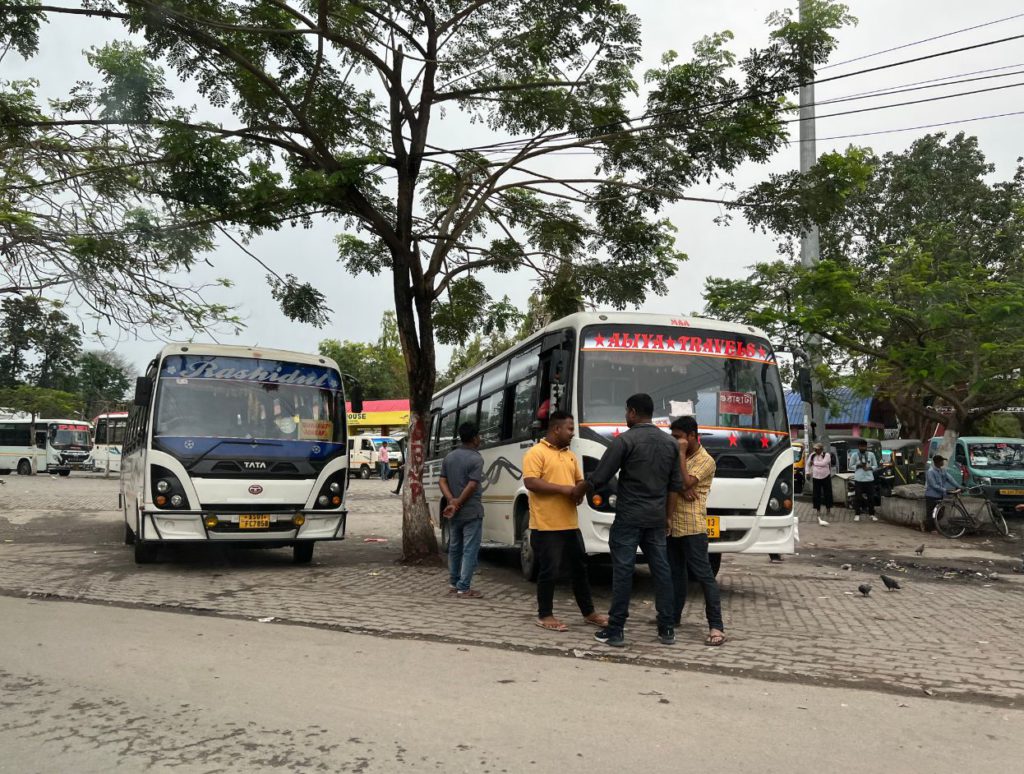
(1012, 492)
(254, 521)
(714, 529)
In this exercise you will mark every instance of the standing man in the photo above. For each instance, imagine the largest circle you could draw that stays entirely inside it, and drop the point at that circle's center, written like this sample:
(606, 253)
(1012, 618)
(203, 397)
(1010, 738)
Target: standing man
(401, 466)
(383, 458)
(552, 475)
(864, 466)
(647, 463)
(937, 482)
(688, 531)
(461, 473)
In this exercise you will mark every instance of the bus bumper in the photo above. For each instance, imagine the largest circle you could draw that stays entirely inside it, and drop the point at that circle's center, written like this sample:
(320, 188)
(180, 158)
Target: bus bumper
(750, 534)
(190, 525)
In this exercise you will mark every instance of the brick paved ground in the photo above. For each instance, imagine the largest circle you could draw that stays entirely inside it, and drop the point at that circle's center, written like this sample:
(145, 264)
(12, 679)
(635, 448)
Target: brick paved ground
(951, 631)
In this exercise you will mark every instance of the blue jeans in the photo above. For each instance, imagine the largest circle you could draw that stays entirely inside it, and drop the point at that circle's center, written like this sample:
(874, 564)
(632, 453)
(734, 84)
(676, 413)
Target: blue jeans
(463, 549)
(689, 554)
(623, 540)
(385, 471)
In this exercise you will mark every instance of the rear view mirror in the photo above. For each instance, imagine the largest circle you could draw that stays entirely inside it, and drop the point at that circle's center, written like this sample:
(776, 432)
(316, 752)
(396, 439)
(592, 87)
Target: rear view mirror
(143, 391)
(357, 398)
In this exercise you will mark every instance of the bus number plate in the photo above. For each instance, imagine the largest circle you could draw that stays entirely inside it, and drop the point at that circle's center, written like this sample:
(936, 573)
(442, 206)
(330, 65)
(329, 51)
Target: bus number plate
(1012, 492)
(254, 521)
(714, 529)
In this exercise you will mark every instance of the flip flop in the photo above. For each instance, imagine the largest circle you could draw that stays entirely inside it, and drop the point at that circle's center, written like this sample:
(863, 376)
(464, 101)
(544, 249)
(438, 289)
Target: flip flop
(552, 627)
(714, 640)
(598, 624)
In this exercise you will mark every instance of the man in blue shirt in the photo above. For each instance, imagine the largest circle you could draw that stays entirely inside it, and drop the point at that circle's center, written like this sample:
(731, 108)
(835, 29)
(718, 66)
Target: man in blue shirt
(864, 465)
(937, 482)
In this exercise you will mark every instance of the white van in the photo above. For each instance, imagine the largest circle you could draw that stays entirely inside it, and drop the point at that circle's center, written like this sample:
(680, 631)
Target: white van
(363, 454)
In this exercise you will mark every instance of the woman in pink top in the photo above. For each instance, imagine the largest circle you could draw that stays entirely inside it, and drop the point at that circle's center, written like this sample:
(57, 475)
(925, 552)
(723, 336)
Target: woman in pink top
(820, 466)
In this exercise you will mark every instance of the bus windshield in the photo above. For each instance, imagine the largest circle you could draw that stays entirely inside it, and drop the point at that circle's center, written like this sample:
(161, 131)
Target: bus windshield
(1005, 455)
(66, 436)
(237, 398)
(729, 382)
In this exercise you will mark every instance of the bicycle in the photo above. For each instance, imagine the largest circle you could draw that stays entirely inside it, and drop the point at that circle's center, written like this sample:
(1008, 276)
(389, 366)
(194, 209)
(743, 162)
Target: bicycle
(953, 519)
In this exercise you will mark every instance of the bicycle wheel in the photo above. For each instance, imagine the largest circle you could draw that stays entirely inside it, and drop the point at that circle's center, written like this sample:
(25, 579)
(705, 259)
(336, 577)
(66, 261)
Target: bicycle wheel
(998, 520)
(951, 520)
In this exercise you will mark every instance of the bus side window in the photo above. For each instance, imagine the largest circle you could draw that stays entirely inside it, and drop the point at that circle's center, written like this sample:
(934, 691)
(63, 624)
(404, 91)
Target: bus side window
(101, 431)
(446, 436)
(492, 412)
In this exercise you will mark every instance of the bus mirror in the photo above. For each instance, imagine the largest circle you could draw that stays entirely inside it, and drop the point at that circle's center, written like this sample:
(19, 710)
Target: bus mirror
(558, 366)
(357, 398)
(143, 390)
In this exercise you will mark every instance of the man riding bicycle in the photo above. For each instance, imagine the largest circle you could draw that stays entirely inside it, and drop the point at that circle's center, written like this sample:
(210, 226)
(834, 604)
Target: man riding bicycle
(937, 484)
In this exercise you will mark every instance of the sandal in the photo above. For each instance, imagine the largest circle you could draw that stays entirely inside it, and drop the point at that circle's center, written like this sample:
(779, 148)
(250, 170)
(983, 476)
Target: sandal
(600, 620)
(714, 640)
(553, 626)
(468, 594)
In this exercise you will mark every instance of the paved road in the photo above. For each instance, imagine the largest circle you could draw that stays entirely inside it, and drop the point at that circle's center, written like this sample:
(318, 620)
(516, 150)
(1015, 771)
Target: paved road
(950, 632)
(87, 688)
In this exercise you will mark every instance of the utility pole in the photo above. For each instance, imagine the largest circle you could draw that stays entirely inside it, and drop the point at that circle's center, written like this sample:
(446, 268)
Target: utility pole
(809, 256)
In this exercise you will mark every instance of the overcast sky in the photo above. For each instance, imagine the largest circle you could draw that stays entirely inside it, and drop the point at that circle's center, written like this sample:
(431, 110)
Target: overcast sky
(713, 250)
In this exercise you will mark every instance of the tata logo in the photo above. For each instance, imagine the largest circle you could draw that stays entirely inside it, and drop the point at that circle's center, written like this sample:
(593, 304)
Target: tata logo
(255, 465)
(255, 489)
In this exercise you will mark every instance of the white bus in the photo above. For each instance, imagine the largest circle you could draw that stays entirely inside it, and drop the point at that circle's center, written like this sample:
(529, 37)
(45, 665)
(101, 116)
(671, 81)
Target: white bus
(50, 445)
(108, 436)
(235, 444)
(17, 446)
(725, 375)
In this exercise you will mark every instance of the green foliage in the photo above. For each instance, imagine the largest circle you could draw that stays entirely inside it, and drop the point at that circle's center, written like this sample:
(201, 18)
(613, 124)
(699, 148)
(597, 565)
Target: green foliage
(102, 380)
(920, 291)
(378, 367)
(39, 345)
(40, 401)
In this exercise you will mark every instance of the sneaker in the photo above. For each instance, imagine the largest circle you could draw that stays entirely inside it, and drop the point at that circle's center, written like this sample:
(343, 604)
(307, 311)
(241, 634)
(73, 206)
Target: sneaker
(822, 522)
(857, 517)
(666, 635)
(610, 636)
(874, 518)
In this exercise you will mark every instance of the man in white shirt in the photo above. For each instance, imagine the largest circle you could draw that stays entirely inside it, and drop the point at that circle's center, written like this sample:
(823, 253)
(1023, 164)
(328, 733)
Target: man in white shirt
(864, 465)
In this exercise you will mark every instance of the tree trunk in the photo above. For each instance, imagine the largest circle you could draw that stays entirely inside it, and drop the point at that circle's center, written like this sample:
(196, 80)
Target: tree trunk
(419, 542)
(949, 437)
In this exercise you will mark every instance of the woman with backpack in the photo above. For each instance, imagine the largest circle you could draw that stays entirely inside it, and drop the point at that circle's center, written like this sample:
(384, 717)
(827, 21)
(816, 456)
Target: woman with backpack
(819, 466)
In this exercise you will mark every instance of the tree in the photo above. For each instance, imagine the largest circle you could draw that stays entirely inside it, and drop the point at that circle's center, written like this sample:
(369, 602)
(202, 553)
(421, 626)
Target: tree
(379, 368)
(103, 380)
(920, 290)
(39, 345)
(336, 110)
(39, 401)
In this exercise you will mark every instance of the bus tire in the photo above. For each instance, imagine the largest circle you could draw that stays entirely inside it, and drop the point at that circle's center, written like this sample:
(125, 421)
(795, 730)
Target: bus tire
(129, 536)
(302, 553)
(24, 468)
(527, 559)
(145, 553)
(364, 472)
(65, 472)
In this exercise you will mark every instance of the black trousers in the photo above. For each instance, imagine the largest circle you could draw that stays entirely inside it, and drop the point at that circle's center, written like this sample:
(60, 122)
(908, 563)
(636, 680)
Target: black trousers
(822, 493)
(555, 549)
(930, 504)
(864, 497)
(689, 554)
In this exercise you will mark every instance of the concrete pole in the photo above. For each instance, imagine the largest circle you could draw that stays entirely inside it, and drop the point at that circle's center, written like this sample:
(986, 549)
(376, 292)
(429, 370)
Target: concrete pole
(809, 256)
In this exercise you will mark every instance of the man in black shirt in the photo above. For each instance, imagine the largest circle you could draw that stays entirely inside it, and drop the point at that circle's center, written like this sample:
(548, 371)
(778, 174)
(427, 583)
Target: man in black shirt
(646, 460)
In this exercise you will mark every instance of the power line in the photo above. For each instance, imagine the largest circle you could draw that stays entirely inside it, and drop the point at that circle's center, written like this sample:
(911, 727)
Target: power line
(929, 83)
(923, 40)
(920, 126)
(516, 144)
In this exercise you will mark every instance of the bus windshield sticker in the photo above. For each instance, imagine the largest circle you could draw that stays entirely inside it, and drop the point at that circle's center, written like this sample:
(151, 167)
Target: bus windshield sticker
(660, 342)
(738, 403)
(315, 430)
(250, 370)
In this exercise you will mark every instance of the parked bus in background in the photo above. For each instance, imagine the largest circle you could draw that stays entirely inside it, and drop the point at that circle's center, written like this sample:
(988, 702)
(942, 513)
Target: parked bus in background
(235, 444)
(723, 374)
(63, 445)
(108, 435)
(17, 447)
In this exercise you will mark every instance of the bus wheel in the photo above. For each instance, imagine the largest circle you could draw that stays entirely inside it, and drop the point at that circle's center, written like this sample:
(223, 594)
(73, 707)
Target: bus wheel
(302, 553)
(24, 468)
(145, 553)
(65, 472)
(364, 472)
(527, 559)
(716, 563)
(129, 536)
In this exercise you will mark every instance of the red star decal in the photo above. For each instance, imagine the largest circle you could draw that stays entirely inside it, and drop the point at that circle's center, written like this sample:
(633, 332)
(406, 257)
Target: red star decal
(733, 439)
(598, 340)
(765, 443)
(762, 353)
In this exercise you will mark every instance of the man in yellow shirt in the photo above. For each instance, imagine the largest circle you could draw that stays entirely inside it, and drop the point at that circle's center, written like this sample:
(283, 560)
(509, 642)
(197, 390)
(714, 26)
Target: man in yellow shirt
(688, 528)
(553, 477)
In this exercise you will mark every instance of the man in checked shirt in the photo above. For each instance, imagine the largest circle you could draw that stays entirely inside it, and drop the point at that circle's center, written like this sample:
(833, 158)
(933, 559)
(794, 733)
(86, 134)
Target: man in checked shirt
(688, 531)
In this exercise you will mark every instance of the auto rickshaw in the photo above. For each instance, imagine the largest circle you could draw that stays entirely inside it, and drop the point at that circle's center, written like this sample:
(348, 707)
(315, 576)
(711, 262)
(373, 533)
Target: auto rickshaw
(904, 458)
(798, 466)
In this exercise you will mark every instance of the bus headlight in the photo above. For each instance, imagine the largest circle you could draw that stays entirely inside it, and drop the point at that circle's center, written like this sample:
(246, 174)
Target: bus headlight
(335, 487)
(163, 486)
(167, 489)
(780, 503)
(211, 522)
(612, 500)
(177, 500)
(330, 494)
(784, 488)
(323, 500)
(773, 504)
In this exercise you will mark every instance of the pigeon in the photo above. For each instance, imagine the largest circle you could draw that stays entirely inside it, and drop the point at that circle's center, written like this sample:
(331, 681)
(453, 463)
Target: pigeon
(864, 588)
(919, 550)
(890, 583)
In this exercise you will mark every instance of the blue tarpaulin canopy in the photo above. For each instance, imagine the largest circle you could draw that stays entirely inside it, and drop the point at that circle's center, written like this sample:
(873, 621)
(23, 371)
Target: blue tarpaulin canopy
(851, 408)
